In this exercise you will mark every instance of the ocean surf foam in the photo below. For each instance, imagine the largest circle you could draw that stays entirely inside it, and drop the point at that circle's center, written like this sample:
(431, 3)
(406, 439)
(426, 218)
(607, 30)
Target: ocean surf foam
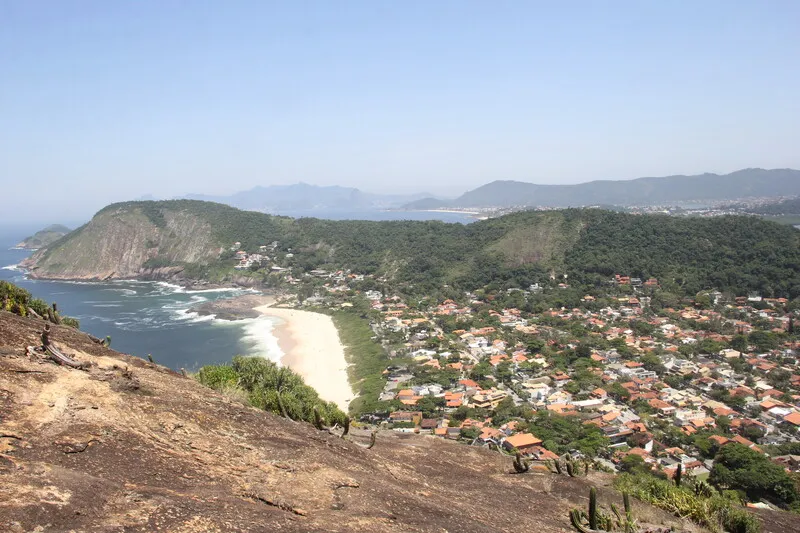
(258, 338)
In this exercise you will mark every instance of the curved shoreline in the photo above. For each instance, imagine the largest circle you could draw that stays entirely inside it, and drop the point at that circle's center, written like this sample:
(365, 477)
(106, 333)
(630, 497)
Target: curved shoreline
(311, 346)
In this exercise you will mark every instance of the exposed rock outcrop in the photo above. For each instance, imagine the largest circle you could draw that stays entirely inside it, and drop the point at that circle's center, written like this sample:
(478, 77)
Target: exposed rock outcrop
(131, 446)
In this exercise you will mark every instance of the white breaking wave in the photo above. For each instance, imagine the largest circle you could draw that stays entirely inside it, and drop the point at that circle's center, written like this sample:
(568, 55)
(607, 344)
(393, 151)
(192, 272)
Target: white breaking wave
(177, 289)
(166, 285)
(182, 312)
(222, 289)
(126, 292)
(14, 268)
(258, 338)
(192, 317)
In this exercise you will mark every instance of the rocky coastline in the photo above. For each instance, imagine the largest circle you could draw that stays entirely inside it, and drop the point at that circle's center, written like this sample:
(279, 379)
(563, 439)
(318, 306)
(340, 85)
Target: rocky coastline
(238, 308)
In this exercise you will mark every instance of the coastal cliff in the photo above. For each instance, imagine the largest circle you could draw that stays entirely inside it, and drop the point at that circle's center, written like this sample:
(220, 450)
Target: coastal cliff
(127, 241)
(127, 445)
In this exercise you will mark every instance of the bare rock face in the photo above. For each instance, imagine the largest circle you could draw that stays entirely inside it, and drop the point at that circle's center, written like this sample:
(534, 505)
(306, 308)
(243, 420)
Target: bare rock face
(129, 446)
(123, 242)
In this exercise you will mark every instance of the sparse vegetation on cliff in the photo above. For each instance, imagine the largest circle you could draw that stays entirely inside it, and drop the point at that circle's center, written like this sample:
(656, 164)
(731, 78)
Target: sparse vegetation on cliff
(714, 512)
(21, 302)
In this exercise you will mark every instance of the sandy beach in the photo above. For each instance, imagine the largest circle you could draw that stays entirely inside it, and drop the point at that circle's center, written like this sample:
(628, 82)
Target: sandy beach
(312, 348)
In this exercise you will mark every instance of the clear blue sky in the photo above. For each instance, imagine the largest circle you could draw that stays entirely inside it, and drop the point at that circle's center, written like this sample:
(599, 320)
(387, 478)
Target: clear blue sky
(104, 101)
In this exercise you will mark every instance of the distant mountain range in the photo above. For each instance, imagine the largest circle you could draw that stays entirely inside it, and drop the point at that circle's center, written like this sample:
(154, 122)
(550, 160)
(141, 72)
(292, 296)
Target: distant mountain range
(302, 196)
(670, 190)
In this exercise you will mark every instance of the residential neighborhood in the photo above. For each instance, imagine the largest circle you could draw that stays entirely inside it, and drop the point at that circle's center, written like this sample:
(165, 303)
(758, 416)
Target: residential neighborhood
(667, 382)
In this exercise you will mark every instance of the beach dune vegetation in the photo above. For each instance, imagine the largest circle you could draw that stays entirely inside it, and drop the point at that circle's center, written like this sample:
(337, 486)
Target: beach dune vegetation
(366, 358)
(270, 387)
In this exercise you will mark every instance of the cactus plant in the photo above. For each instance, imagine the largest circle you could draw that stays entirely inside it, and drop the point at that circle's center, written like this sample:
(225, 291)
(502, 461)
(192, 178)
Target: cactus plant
(319, 422)
(559, 469)
(571, 469)
(596, 520)
(579, 518)
(520, 464)
(46, 336)
(575, 518)
(630, 523)
(56, 319)
(704, 489)
(346, 426)
(593, 508)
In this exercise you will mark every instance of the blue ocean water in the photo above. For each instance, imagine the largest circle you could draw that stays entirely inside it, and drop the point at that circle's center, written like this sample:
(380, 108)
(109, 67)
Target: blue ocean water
(153, 318)
(145, 317)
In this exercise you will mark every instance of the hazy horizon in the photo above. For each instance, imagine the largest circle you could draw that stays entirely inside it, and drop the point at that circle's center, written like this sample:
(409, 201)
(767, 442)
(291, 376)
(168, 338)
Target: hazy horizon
(104, 102)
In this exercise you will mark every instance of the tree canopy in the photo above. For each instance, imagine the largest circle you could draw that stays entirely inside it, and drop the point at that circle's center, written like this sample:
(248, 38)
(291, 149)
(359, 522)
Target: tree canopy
(737, 467)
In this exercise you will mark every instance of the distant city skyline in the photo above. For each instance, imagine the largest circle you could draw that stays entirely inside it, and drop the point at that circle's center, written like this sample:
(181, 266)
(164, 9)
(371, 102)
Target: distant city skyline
(105, 102)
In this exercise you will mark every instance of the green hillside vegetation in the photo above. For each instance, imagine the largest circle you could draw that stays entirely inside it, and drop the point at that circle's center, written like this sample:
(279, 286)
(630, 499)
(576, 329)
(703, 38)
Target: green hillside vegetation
(734, 253)
(731, 253)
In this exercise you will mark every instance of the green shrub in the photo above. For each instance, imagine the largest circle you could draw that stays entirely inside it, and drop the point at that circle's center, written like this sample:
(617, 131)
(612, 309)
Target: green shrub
(716, 513)
(71, 322)
(270, 387)
(737, 467)
(17, 300)
(218, 376)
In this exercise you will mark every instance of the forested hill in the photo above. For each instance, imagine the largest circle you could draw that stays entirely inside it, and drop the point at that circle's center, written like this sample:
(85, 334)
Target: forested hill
(737, 254)
(751, 182)
(44, 237)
